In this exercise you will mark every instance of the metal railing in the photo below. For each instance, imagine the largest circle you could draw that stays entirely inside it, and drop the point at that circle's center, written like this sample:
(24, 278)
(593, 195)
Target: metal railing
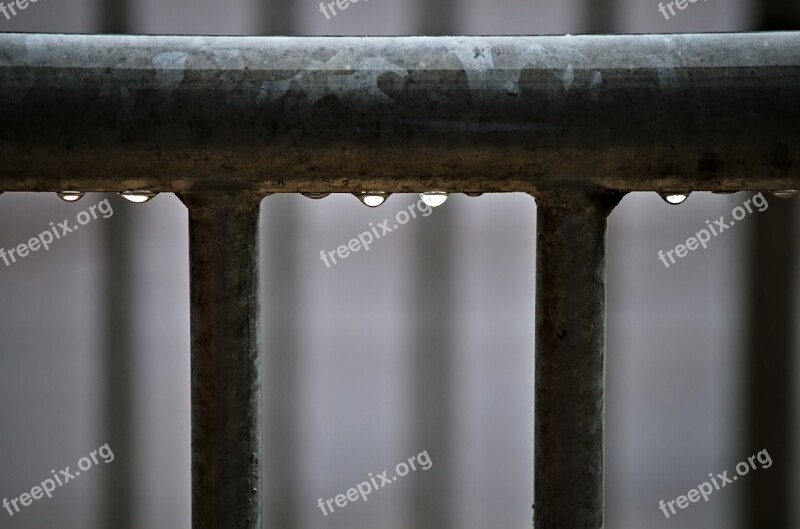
(576, 121)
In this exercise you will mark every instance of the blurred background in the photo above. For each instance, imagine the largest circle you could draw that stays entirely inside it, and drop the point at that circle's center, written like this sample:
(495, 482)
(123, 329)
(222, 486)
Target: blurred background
(423, 343)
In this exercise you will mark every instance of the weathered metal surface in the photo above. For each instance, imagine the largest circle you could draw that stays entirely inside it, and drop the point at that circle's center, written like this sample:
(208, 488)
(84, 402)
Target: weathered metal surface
(225, 366)
(570, 358)
(343, 114)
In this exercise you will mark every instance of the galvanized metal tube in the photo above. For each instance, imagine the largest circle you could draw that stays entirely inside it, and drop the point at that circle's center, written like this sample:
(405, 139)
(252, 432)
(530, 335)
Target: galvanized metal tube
(225, 366)
(400, 114)
(570, 355)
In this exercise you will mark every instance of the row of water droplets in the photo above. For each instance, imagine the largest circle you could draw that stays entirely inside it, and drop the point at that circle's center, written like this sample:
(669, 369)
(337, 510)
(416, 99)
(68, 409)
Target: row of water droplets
(371, 199)
(374, 199)
(679, 198)
(137, 197)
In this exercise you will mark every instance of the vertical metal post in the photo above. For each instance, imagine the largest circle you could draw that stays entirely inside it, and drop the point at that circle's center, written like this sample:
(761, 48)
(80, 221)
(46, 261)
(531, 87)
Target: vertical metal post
(225, 366)
(570, 355)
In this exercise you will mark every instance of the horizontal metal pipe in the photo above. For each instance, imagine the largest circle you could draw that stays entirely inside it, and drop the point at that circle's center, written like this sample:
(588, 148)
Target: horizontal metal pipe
(400, 114)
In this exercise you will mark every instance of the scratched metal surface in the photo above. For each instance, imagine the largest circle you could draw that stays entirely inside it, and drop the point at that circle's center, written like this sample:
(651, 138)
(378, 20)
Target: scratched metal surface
(284, 114)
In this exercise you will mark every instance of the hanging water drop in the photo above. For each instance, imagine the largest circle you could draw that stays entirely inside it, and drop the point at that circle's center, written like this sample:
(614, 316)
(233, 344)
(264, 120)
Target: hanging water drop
(371, 199)
(138, 197)
(785, 193)
(70, 196)
(434, 198)
(674, 198)
(315, 195)
(473, 194)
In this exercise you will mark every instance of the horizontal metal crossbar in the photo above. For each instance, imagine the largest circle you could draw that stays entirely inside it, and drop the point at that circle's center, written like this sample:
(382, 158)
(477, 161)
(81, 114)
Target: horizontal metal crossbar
(399, 114)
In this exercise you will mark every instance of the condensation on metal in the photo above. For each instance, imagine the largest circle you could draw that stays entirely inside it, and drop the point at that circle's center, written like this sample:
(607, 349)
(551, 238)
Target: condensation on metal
(400, 114)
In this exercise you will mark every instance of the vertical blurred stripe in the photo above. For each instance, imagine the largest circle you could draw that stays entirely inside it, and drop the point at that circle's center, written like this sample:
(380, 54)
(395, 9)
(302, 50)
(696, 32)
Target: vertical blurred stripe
(775, 15)
(437, 17)
(279, 316)
(278, 335)
(599, 16)
(768, 365)
(118, 288)
(434, 368)
(769, 360)
(114, 16)
(434, 322)
(280, 18)
(279, 364)
(118, 374)
(118, 508)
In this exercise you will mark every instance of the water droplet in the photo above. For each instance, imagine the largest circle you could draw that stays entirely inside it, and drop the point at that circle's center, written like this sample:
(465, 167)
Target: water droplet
(371, 199)
(70, 196)
(315, 195)
(434, 198)
(473, 194)
(674, 198)
(785, 193)
(138, 197)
